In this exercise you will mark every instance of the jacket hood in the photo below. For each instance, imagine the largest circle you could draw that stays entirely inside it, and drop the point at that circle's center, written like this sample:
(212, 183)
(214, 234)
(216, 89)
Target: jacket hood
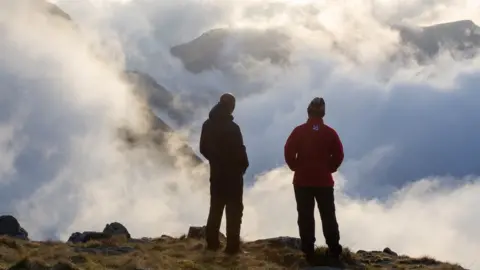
(220, 112)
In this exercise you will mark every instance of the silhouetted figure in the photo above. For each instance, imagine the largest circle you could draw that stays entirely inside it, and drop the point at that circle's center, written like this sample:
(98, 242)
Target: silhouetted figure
(314, 151)
(221, 143)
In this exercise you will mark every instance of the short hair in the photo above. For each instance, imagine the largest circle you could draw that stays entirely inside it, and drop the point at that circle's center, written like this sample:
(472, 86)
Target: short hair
(316, 108)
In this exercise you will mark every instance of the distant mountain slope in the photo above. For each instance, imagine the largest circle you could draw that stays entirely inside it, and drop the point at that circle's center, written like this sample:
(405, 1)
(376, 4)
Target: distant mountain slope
(462, 38)
(158, 97)
(219, 48)
(155, 96)
(56, 11)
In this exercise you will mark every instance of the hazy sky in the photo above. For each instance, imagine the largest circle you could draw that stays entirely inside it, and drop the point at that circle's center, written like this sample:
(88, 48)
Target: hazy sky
(410, 178)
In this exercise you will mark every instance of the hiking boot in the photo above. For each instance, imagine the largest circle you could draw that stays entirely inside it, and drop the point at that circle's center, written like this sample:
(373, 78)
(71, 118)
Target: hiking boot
(232, 250)
(311, 259)
(334, 253)
(336, 262)
(213, 247)
(334, 259)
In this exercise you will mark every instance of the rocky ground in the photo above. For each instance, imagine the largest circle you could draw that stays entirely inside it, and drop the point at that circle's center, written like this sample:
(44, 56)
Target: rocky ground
(113, 248)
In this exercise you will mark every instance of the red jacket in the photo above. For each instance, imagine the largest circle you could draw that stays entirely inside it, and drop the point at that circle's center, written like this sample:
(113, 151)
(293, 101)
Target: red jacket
(313, 151)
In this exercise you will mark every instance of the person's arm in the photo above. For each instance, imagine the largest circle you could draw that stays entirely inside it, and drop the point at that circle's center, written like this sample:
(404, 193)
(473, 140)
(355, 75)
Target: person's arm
(290, 150)
(239, 149)
(204, 142)
(337, 153)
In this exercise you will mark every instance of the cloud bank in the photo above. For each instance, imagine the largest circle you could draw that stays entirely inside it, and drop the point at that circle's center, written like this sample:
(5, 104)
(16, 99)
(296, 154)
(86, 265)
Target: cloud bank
(410, 178)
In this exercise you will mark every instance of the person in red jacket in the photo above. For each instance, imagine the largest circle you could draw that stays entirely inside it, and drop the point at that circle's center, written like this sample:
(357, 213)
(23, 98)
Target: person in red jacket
(314, 151)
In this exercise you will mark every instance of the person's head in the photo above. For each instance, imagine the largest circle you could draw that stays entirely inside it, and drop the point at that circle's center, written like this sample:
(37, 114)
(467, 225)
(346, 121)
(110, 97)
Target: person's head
(316, 108)
(228, 100)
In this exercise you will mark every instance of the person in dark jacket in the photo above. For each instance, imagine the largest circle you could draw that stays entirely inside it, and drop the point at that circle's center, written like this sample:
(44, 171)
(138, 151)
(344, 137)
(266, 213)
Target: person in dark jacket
(314, 151)
(221, 143)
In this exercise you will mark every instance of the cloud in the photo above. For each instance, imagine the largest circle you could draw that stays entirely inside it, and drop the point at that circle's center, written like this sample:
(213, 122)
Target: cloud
(409, 181)
(422, 218)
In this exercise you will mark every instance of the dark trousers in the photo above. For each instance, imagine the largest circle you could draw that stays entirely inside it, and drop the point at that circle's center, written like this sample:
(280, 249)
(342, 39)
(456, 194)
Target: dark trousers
(229, 198)
(306, 197)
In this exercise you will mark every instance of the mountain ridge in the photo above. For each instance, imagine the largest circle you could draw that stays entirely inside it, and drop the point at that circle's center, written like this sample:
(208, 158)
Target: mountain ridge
(114, 247)
(209, 50)
(189, 253)
(153, 95)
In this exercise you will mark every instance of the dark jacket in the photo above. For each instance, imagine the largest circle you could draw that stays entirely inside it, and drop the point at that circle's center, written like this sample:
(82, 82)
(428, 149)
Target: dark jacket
(313, 151)
(221, 143)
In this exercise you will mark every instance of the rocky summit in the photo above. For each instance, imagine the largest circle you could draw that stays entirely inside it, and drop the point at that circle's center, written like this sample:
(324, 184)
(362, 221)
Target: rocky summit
(114, 248)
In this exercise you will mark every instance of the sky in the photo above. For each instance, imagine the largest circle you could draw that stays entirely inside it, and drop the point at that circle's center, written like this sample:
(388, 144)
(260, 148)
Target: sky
(410, 179)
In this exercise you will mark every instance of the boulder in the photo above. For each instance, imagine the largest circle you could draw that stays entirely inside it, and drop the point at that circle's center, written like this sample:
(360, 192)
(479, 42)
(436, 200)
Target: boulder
(10, 226)
(22, 234)
(390, 252)
(200, 233)
(87, 236)
(112, 229)
(283, 241)
(116, 228)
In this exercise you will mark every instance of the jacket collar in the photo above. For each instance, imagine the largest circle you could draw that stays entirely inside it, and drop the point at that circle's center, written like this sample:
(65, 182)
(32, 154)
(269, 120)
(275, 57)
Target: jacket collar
(220, 113)
(315, 120)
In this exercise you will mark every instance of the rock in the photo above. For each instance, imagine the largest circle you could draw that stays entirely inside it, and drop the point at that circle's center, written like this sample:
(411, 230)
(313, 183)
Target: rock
(200, 232)
(389, 251)
(196, 232)
(291, 242)
(23, 234)
(166, 237)
(87, 236)
(116, 228)
(10, 226)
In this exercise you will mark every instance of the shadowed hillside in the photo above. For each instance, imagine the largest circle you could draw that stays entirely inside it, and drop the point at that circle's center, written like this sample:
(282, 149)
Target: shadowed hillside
(56, 11)
(155, 97)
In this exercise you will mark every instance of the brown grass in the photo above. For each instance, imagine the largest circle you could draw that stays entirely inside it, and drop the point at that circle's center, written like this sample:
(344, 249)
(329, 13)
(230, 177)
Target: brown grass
(182, 254)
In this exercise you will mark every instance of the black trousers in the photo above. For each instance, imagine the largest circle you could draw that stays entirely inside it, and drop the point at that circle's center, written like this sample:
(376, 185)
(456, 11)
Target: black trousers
(229, 198)
(306, 197)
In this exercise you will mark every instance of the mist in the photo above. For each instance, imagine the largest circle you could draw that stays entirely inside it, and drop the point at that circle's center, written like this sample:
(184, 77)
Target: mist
(410, 180)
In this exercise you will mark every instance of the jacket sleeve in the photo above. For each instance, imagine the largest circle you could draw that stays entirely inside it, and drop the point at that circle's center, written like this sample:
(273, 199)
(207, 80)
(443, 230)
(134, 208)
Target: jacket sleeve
(204, 142)
(239, 149)
(290, 150)
(337, 153)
